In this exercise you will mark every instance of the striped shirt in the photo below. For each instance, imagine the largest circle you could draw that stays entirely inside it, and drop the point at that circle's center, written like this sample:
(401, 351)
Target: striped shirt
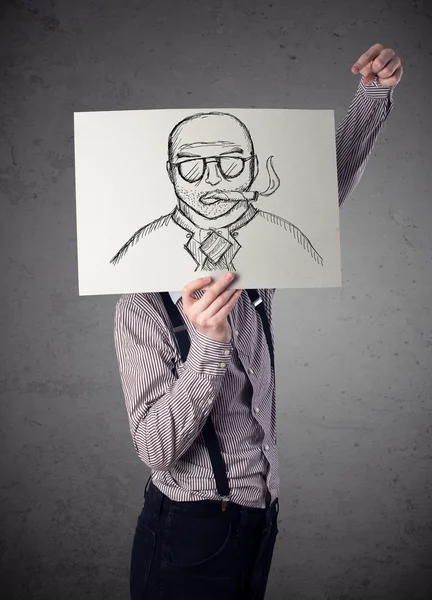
(234, 380)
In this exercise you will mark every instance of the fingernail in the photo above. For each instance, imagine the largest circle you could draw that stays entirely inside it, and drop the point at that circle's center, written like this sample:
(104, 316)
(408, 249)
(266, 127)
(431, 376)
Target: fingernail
(229, 276)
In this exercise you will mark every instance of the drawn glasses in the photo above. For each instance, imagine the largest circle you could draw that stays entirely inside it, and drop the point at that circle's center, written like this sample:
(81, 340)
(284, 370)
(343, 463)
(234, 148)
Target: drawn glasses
(192, 169)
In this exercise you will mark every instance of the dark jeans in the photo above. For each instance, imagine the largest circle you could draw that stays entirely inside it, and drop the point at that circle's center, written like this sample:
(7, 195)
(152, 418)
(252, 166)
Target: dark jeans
(194, 551)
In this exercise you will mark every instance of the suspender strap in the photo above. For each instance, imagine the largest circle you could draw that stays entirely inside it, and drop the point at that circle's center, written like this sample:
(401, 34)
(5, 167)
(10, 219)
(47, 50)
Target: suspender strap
(259, 305)
(209, 433)
(216, 458)
(178, 325)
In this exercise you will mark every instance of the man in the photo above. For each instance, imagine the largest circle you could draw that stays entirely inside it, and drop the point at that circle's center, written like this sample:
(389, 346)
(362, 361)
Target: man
(212, 165)
(200, 536)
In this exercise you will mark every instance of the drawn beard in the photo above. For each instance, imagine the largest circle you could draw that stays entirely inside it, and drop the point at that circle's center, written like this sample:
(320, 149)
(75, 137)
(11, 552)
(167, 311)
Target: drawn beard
(211, 210)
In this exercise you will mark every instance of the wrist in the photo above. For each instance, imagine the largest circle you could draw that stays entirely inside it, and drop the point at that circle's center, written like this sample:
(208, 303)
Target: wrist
(209, 356)
(223, 336)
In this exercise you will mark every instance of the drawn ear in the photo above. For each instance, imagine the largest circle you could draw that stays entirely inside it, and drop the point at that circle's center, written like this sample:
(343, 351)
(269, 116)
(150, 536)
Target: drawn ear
(169, 171)
(255, 167)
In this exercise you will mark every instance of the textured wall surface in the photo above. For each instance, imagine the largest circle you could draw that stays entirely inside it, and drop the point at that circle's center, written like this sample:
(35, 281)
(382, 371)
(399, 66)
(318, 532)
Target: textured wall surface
(354, 365)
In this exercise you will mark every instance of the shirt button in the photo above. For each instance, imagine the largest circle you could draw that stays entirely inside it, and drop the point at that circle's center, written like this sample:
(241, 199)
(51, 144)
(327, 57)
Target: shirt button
(236, 332)
(256, 409)
(266, 448)
(250, 371)
(223, 365)
(227, 352)
(209, 401)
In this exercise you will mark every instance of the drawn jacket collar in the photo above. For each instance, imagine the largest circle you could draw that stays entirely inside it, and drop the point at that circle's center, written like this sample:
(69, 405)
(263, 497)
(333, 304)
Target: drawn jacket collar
(213, 246)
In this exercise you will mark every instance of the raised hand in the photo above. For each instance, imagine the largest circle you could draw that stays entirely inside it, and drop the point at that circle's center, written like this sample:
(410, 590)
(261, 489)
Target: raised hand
(379, 62)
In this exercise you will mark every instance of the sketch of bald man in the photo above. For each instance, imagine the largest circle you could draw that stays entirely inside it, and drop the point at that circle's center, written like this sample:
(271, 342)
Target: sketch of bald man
(213, 166)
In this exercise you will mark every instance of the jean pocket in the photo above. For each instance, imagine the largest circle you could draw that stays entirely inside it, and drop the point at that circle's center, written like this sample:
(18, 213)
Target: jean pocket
(143, 548)
(195, 541)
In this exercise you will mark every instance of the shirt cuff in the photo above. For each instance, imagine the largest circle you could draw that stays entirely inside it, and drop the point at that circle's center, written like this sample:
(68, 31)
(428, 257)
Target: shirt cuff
(207, 356)
(376, 90)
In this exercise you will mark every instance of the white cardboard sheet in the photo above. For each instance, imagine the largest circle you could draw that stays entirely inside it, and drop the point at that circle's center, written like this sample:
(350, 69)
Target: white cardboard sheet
(166, 196)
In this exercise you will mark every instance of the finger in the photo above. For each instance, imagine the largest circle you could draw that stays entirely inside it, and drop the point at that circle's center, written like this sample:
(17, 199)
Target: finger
(382, 60)
(379, 63)
(214, 291)
(192, 287)
(217, 304)
(389, 68)
(367, 57)
(225, 310)
(392, 80)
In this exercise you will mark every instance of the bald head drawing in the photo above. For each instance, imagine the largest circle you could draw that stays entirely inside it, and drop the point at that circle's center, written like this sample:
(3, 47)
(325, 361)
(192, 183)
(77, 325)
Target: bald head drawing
(209, 128)
(209, 155)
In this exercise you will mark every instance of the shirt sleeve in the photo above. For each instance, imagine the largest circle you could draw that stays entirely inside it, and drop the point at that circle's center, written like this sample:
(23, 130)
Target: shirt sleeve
(357, 133)
(165, 413)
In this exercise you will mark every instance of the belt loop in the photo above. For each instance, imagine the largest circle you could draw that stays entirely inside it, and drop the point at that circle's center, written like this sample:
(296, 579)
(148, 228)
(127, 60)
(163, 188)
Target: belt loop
(147, 485)
(161, 501)
(243, 520)
(155, 500)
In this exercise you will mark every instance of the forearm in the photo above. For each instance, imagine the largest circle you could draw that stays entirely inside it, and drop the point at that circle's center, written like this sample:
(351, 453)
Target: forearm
(166, 413)
(357, 134)
(165, 431)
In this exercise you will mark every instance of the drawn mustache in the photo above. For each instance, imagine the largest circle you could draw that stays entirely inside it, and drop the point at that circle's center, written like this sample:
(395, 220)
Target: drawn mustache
(251, 196)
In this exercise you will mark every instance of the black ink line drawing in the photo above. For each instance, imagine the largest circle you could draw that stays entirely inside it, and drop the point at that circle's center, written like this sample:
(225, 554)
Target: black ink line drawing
(212, 165)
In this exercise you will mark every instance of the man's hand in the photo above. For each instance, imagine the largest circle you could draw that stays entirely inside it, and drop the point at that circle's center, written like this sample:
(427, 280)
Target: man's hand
(209, 314)
(379, 62)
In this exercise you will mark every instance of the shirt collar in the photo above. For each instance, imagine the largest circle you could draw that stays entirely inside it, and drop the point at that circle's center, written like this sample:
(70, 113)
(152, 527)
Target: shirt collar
(175, 296)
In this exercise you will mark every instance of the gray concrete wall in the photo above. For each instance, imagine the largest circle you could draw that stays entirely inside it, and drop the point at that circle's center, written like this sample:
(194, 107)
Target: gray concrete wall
(354, 366)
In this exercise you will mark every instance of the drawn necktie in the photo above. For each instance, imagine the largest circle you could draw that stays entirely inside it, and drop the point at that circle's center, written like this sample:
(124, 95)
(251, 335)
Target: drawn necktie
(215, 248)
